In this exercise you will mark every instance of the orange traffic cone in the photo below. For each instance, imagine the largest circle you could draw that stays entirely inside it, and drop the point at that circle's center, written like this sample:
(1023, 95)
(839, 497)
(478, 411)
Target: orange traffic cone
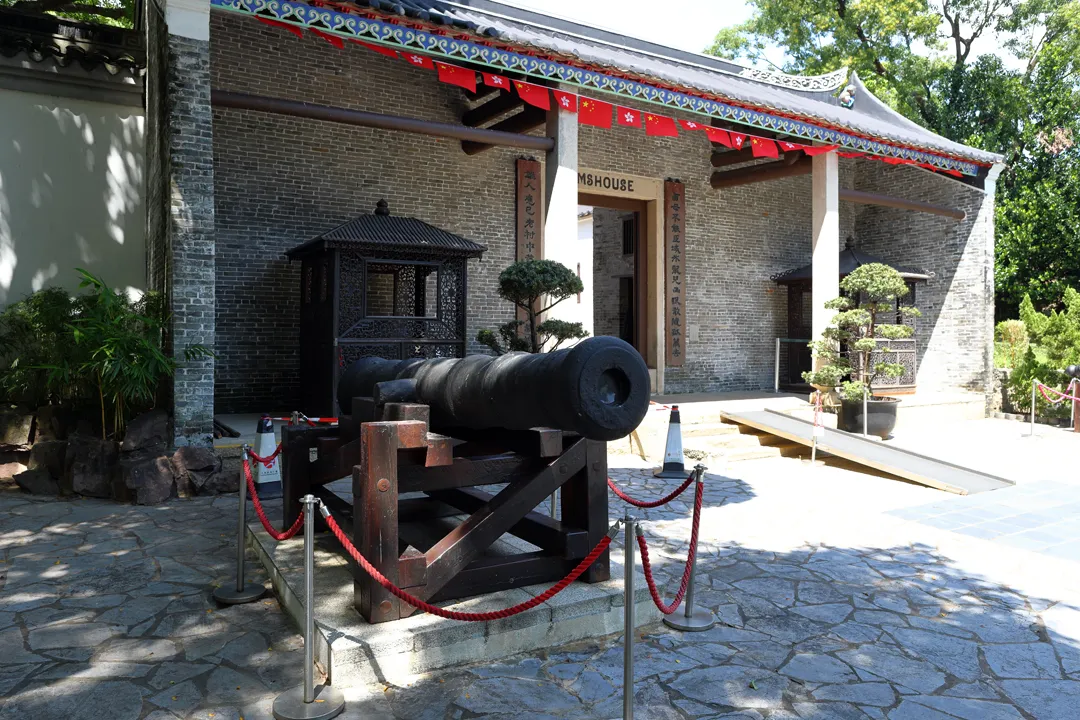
(674, 466)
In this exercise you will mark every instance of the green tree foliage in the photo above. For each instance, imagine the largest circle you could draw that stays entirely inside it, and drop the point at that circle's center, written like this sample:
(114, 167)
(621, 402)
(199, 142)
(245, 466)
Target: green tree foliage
(99, 348)
(869, 296)
(918, 57)
(529, 284)
(1058, 336)
(117, 13)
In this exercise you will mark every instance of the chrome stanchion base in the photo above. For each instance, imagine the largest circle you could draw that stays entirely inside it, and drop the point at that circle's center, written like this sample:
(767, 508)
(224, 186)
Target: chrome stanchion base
(669, 474)
(290, 705)
(231, 596)
(700, 621)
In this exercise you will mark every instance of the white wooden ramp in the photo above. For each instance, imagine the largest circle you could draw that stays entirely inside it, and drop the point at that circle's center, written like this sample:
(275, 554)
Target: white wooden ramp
(872, 453)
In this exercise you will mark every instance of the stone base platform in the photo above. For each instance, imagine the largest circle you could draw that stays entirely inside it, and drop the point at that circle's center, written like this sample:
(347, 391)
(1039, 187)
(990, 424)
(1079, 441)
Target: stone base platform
(352, 651)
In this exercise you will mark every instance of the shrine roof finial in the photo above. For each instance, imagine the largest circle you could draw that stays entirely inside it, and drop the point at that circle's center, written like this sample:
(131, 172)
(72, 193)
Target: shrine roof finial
(382, 208)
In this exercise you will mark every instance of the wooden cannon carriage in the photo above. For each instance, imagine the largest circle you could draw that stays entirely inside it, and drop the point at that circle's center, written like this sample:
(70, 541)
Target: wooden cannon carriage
(423, 440)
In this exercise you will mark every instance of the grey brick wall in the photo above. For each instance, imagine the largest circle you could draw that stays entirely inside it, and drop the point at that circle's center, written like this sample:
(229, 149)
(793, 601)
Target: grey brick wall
(157, 146)
(609, 264)
(279, 181)
(955, 334)
(191, 235)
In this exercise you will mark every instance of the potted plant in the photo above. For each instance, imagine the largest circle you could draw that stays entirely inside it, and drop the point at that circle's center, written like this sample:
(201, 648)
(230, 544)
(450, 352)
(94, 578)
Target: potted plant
(845, 351)
(526, 283)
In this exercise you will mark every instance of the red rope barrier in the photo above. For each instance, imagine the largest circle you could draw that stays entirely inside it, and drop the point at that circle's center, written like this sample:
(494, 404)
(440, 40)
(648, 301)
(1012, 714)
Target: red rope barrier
(452, 614)
(270, 529)
(1062, 397)
(653, 503)
(647, 568)
(265, 460)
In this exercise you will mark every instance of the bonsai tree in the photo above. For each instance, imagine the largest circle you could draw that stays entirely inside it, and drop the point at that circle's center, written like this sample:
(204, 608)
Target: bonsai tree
(528, 284)
(870, 293)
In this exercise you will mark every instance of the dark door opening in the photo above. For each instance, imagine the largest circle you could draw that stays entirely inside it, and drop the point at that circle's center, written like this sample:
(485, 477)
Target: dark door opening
(619, 267)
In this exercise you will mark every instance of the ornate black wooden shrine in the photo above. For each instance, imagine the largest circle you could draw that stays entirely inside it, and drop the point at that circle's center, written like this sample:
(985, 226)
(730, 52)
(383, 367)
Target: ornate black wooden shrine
(382, 286)
(449, 456)
(796, 357)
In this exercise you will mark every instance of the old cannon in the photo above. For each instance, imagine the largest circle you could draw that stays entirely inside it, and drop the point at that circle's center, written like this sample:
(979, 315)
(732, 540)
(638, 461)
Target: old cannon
(420, 439)
(599, 388)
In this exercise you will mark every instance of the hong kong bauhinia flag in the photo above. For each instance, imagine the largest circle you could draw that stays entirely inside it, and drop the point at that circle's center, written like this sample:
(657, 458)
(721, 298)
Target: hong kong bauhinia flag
(535, 95)
(660, 126)
(595, 113)
(418, 60)
(565, 101)
(628, 117)
(454, 75)
(763, 148)
(691, 125)
(497, 81)
(737, 140)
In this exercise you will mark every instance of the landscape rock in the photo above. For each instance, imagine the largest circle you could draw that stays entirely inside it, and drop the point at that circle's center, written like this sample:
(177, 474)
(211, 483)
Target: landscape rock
(147, 432)
(152, 480)
(50, 456)
(203, 471)
(16, 427)
(38, 482)
(92, 465)
(52, 423)
(11, 468)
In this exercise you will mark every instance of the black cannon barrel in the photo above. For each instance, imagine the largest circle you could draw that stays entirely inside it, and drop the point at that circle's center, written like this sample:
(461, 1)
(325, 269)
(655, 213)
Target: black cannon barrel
(598, 388)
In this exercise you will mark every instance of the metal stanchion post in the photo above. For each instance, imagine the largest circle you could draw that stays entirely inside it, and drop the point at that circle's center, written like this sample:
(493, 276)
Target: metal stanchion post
(308, 702)
(554, 502)
(776, 371)
(628, 617)
(692, 620)
(865, 394)
(242, 592)
(1034, 382)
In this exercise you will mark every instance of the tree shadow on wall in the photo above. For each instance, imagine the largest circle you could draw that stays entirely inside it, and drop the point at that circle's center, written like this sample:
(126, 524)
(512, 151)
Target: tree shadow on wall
(71, 194)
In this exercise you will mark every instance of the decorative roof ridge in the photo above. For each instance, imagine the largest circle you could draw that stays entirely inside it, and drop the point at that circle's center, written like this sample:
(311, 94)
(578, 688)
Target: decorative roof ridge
(827, 82)
(41, 37)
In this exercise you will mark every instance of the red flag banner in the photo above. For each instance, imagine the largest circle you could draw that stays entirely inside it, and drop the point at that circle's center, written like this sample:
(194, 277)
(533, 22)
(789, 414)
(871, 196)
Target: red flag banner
(660, 126)
(849, 154)
(419, 60)
(954, 173)
(737, 140)
(718, 136)
(812, 150)
(595, 113)
(332, 39)
(454, 75)
(691, 125)
(764, 148)
(628, 117)
(497, 81)
(535, 95)
(566, 101)
(381, 49)
(283, 26)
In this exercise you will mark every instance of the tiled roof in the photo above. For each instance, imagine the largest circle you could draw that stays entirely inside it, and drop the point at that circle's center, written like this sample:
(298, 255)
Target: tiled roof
(382, 231)
(812, 98)
(850, 258)
(42, 37)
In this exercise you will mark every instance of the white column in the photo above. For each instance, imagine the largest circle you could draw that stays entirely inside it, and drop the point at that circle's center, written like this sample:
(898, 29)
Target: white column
(826, 254)
(560, 197)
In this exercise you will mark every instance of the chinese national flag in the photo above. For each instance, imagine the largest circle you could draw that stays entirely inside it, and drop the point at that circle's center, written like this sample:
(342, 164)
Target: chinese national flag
(382, 50)
(284, 26)
(566, 101)
(763, 148)
(332, 39)
(535, 95)
(691, 125)
(718, 136)
(628, 117)
(497, 81)
(660, 126)
(454, 75)
(419, 60)
(595, 113)
(737, 140)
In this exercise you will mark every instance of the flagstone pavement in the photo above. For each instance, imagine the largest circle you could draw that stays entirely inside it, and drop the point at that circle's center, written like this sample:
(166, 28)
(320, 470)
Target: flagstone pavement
(830, 607)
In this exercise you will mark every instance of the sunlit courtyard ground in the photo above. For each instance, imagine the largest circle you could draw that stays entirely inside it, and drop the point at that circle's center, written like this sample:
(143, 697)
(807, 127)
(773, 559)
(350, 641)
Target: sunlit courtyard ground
(840, 595)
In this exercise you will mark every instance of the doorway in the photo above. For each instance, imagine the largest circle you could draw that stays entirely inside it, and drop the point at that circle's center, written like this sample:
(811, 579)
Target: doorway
(618, 270)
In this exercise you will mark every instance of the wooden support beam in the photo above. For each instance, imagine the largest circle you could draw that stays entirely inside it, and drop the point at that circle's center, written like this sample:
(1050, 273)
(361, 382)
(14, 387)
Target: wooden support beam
(484, 138)
(528, 119)
(792, 165)
(503, 103)
(866, 198)
(732, 157)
